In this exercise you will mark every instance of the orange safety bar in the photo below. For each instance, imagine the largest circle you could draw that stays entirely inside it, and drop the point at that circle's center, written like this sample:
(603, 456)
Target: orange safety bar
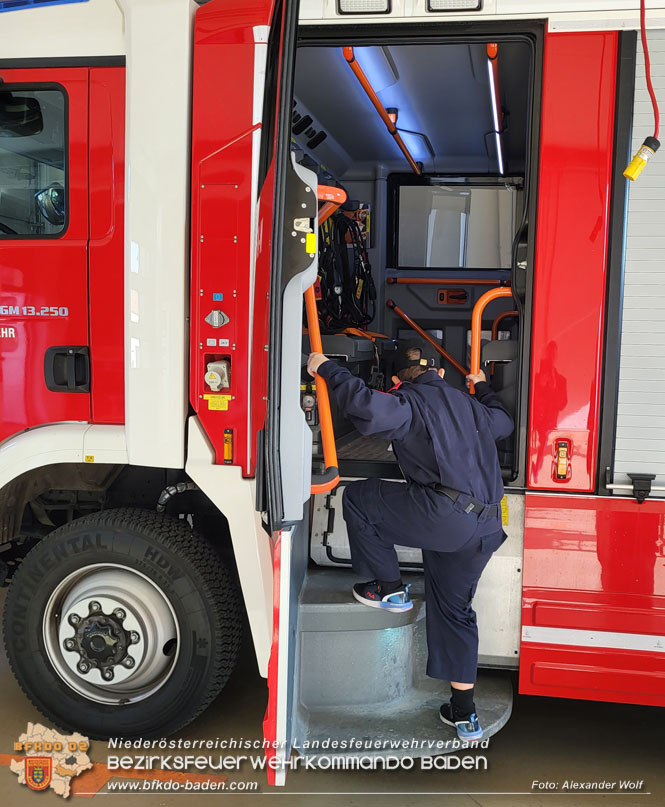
(503, 315)
(322, 483)
(330, 477)
(374, 98)
(438, 281)
(476, 325)
(426, 337)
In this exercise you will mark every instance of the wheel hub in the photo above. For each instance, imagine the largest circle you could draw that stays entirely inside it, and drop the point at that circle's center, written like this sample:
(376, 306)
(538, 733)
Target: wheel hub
(111, 634)
(101, 640)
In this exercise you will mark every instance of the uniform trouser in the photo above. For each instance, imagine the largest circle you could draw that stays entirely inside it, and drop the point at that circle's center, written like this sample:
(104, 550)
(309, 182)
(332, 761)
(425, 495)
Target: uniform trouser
(456, 547)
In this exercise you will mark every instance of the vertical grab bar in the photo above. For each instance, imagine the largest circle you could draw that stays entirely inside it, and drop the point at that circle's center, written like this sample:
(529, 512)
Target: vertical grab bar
(476, 325)
(322, 483)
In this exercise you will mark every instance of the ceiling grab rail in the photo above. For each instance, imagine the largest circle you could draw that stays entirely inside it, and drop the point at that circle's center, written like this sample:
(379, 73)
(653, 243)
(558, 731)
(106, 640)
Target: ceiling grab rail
(412, 324)
(322, 483)
(374, 98)
(476, 325)
(442, 281)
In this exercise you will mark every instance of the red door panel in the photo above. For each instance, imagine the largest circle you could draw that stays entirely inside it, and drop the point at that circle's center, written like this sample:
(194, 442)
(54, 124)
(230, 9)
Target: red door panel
(43, 262)
(579, 78)
(106, 248)
(230, 40)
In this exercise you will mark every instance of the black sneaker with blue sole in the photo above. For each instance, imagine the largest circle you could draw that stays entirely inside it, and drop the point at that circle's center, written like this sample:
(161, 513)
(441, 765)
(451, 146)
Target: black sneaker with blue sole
(373, 594)
(468, 726)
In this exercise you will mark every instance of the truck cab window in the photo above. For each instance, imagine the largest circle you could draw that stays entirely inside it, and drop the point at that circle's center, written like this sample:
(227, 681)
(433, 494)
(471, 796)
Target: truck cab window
(33, 195)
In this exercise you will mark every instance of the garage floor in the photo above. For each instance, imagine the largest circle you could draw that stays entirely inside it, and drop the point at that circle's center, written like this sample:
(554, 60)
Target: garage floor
(545, 740)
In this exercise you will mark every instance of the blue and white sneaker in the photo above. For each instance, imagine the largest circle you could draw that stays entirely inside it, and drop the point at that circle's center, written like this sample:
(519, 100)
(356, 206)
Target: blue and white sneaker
(371, 594)
(468, 728)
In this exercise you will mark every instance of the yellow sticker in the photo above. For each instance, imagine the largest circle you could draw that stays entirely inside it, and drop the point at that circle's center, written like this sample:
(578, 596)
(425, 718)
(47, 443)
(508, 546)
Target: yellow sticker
(218, 403)
(504, 511)
(89, 457)
(310, 243)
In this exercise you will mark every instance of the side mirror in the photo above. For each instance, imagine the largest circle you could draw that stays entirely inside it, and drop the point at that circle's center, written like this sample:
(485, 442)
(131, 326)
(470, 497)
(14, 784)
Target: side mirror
(19, 116)
(51, 203)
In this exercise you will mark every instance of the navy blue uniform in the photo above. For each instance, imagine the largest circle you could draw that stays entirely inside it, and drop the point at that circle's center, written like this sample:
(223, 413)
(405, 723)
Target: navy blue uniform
(439, 435)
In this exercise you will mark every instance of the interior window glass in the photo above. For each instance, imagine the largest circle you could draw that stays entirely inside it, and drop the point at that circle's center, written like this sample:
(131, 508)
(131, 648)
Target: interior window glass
(33, 194)
(442, 226)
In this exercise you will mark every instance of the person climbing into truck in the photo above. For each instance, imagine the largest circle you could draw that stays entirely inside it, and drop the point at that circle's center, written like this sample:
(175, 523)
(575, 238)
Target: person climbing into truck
(444, 441)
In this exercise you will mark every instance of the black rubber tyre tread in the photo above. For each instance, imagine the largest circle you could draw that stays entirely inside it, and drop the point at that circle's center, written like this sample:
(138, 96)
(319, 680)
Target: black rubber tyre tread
(215, 585)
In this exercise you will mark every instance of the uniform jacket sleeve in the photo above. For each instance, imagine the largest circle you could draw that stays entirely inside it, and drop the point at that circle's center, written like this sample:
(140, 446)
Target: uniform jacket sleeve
(499, 421)
(371, 412)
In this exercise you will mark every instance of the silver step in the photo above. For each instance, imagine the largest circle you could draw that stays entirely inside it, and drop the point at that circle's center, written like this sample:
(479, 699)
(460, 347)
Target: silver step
(362, 675)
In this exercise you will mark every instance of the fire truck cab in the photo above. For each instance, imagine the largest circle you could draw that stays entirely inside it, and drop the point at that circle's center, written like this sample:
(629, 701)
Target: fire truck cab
(176, 180)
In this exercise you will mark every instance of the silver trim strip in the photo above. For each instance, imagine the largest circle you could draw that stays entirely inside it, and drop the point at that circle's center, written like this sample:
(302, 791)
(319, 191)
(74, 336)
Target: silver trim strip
(282, 752)
(595, 638)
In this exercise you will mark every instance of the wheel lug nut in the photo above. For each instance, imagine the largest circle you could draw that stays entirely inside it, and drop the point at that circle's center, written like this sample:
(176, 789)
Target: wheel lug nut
(129, 662)
(119, 613)
(70, 644)
(95, 606)
(134, 637)
(83, 667)
(74, 619)
(107, 674)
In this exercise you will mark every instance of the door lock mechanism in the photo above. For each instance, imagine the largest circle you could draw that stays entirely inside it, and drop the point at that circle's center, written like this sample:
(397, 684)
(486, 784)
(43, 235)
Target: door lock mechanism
(303, 225)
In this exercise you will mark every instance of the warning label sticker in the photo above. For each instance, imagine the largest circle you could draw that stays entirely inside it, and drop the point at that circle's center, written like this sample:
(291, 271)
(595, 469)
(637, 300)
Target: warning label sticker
(504, 511)
(219, 403)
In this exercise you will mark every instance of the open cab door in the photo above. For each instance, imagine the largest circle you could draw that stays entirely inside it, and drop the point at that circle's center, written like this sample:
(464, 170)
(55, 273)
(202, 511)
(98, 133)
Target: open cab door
(254, 254)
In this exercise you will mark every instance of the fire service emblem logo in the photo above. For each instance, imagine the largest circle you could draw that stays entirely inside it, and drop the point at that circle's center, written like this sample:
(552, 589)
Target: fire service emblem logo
(67, 758)
(38, 772)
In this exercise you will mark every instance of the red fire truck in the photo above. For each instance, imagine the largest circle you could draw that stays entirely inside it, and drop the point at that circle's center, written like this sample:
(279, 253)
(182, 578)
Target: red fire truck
(175, 181)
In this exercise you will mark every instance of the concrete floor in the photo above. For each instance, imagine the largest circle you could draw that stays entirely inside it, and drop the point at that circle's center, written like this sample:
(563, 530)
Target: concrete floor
(545, 739)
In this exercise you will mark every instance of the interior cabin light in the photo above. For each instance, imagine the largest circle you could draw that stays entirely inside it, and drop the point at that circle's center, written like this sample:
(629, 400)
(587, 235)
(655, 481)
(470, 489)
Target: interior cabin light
(454, 5)
(497, 114)
(363, 6)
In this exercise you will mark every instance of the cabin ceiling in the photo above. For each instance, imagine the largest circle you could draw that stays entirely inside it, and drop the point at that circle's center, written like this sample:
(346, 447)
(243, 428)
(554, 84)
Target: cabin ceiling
(441, 91)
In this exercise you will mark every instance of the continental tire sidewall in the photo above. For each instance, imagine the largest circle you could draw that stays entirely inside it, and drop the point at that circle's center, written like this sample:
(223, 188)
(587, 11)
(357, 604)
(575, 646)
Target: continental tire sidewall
(68, 550)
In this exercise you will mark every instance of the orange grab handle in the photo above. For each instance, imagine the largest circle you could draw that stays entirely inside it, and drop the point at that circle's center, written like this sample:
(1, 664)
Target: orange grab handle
(495, 327)
(332, 198)
(476, 325)
(374, 98)
(412, 324)
(331, 475)
(503, 315)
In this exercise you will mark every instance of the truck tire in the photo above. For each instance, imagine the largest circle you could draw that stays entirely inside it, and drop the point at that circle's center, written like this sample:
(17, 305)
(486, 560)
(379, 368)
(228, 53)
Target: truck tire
(124, 623)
